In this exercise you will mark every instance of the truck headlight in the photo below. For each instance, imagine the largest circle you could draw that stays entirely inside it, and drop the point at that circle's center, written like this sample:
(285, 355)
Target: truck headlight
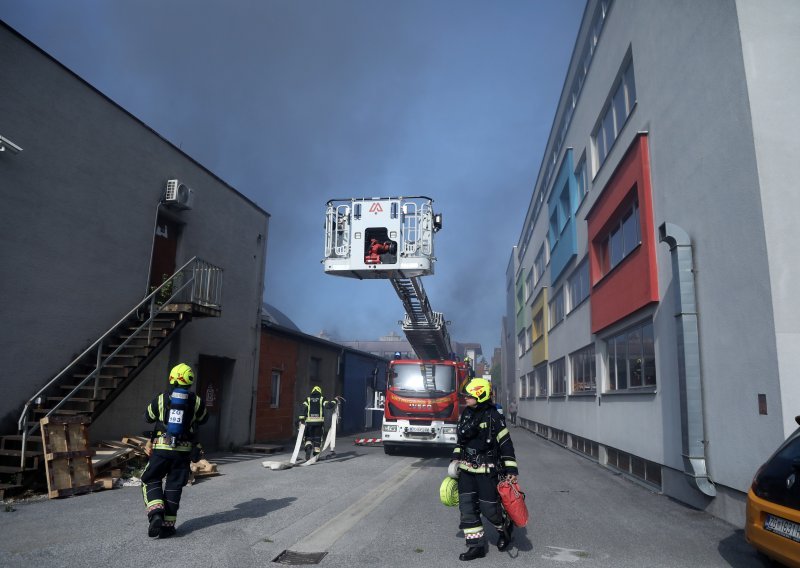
(392, 428)
(449, 430)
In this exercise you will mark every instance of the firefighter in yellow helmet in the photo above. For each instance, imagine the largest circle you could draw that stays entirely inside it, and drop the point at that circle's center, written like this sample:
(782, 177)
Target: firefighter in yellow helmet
(176, 414)
(312, 413)
(484, 453)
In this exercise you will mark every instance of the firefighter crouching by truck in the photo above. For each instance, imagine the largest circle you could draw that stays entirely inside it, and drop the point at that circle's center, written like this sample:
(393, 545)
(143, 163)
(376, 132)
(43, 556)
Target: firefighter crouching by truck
(483, 453)
(176, 414)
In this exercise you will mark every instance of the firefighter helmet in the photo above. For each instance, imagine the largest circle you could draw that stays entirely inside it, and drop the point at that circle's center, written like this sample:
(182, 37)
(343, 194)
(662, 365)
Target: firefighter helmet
(448, 492)
(479, 389)
(181, 375)
(316, 390)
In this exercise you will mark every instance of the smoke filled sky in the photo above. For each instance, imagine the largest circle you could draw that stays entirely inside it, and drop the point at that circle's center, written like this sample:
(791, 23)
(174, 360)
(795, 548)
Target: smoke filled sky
(295, 102)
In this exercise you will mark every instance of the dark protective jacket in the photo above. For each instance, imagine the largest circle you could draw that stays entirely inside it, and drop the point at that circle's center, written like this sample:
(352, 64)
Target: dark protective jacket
(312, 408)
(158, 411)
(484, 442)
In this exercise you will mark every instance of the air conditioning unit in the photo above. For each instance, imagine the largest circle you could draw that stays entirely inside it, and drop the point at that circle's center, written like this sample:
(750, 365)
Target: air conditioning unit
(178, 195)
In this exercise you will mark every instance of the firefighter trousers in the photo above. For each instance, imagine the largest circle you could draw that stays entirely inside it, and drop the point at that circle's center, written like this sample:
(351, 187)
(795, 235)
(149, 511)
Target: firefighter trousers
(174, 466)
(314, 434)
(477, 494)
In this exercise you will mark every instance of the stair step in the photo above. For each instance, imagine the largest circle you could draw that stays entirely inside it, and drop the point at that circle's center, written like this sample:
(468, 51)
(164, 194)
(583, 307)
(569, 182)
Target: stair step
(9, 469)
(129, 350)
(88, 386)
(18, 453)
(74, 399)
(61, 411)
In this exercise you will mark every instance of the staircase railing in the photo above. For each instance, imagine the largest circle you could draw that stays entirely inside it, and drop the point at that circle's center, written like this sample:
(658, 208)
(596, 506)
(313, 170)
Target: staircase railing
(196, 282)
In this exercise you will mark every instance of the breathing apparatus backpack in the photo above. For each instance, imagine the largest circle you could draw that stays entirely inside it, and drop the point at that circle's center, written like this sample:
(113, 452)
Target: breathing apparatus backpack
(178, 418)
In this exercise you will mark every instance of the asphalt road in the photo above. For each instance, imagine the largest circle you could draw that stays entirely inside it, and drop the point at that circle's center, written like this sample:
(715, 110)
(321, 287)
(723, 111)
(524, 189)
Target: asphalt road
(363, 508)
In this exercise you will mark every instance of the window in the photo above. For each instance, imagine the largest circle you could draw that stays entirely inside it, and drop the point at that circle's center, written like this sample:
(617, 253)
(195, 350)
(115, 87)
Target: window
(528, 340)
(528, 285)
(615, 114)
(557, 308)
(582, 178)
(555, 230)
(538, 325)
(314, 366)
(558, 376)
(631, 359)
(541, 380)
(521, 343)
(584, 372)
(275, 396)
(538, 266)
(578, 285)
(624, 237)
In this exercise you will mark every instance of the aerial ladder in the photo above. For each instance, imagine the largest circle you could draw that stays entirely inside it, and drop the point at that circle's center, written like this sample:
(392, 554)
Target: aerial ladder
(391, 238)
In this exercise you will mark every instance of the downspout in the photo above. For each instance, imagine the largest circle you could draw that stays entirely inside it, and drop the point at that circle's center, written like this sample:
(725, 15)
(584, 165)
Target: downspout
(690, 379)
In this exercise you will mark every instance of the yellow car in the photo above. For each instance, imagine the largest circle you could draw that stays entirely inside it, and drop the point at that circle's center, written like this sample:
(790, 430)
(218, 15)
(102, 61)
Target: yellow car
(773, 504)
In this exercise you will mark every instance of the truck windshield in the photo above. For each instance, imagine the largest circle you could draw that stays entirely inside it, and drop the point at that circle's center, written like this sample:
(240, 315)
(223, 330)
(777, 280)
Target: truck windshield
(412, 377)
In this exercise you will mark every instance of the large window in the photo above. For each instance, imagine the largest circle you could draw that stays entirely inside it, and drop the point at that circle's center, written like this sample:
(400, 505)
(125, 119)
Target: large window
(584, 372)
(557, 308)
(578, 285)
(558, 376)
(528, 285)
(521, 343)
(631, 359)
(275, 394)
(582, 178)
(528, 339)
(523, 386)
(624, 237)
(541, 380)
(614, 115)
(538, 266)
(538, 325)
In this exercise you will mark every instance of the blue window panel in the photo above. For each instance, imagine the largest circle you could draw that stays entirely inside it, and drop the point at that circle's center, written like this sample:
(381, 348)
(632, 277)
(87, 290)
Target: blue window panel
(563, 244)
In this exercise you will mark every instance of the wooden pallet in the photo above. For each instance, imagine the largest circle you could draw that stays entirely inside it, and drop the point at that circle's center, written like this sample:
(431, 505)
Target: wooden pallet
(262, 448)
(67, 456)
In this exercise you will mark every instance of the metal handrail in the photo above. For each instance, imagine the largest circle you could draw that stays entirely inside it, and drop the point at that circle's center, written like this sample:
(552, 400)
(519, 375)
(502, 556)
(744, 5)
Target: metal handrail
(202, 287)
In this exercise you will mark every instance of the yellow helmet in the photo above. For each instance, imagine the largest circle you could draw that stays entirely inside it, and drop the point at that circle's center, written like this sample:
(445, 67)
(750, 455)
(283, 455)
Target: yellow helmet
(316, 390)
(479, 389)
(181, 375)
(448, 492)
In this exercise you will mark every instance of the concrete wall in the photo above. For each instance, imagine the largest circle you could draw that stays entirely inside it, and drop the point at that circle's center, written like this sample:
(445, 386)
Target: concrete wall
(80, 204)
(769, 37)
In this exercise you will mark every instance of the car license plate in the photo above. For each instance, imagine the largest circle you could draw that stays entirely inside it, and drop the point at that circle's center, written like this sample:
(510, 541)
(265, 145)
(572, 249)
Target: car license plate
(419, 429)
(782, 527)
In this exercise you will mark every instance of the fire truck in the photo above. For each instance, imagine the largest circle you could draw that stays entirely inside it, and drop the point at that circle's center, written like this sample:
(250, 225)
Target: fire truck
(391, 238)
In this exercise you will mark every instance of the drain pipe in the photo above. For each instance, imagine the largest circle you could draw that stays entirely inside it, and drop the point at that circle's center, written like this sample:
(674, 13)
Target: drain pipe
(689, 377)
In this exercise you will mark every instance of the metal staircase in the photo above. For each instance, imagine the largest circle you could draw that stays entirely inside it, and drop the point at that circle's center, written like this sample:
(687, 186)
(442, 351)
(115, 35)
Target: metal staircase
(89, 383)
(425, 329)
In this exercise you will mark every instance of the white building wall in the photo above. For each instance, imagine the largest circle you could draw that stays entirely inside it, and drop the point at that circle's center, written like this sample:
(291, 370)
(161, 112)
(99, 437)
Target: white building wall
(721, 151)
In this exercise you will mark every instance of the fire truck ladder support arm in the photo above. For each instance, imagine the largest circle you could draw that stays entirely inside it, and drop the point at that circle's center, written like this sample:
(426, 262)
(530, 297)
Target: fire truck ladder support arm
(425, 329)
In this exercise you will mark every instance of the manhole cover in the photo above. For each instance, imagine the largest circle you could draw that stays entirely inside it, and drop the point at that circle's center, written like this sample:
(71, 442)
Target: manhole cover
(298, 558)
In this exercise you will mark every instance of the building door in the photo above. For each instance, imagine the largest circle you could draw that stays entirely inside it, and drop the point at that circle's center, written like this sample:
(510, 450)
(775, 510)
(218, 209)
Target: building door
(213, 374)
(165, 247)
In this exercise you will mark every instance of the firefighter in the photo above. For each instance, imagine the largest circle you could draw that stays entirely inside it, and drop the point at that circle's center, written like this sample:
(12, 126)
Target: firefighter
(312, 415)
(483, 453)
(176, 414)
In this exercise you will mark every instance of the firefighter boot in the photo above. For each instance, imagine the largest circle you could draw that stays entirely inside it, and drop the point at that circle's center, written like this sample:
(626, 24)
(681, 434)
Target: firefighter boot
(309, 449)
(156, 521)
(472, 553)
(167, 530)
(504, 541)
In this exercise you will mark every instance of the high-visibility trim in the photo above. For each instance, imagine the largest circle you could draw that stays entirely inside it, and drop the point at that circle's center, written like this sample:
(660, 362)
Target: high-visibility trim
(480, 469)
(457, 450)
(473, 530)
(510, 463)
(314, 420)
(161, 407)
(501, 433)
(180, 447)
(170, 519)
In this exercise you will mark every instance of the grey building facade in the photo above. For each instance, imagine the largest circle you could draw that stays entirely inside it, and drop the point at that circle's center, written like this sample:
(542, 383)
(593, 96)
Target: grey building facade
(87, 233)
(652, 309)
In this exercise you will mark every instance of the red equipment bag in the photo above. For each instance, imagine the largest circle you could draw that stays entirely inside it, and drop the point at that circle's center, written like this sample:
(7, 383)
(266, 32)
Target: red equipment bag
(513, 500)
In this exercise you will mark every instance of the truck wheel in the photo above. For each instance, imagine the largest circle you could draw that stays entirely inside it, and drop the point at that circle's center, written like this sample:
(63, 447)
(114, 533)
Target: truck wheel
(389, 449)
